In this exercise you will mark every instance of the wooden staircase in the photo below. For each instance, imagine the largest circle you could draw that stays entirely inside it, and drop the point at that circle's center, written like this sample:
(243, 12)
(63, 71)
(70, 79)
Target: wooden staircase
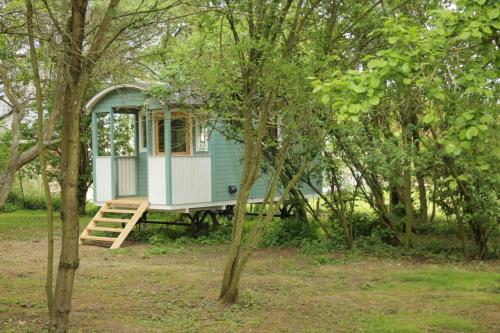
(106, 217)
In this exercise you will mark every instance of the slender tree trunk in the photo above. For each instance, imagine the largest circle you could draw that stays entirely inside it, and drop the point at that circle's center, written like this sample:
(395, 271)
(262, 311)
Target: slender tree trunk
(229, 292)
(433, 199)
(84, 178)
(43, 165)
(21, 187)
(409, 217)
(422, 190)
(9, 173)
(68, 261)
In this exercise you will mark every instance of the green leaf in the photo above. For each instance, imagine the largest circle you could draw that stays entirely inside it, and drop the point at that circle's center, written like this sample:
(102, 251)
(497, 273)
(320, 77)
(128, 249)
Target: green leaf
(471, 132)
(429, 118)
(465, 145)
(481, 2)
(374, 81)
(377, 63)
(453, 185)
(464, 35)
(325, 99)
(486, 29)
(488, 93)
(493, 13)
(405, 68)
(450, 148)
(317, 88)
(359, 89)
(354, 108)
(407, 81)
(467, 115)
(393, 40)
(374, 100)
(483, 128)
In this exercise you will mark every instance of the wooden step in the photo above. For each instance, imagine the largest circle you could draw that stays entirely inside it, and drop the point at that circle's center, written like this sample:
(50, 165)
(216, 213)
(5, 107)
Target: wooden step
(98, 238)
(118, 211)
(105, 229)
(110, 220)
(125, 203)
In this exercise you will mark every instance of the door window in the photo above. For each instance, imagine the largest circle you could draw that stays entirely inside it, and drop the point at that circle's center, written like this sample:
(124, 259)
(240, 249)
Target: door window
(179, 134)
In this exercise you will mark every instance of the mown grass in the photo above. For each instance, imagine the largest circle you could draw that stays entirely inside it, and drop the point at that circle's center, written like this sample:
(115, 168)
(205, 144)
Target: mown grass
(172, 286)
(416, 323)
(29, 224)
(445, 278)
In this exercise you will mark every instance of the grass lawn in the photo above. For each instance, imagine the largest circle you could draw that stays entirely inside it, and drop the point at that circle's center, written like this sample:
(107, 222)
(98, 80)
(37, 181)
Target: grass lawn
(173, 288)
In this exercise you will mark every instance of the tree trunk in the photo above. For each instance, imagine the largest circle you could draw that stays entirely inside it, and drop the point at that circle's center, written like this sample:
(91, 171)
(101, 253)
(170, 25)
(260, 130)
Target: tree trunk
(339, 202)
(85, 177)
(229, 290)
(422, 198)
(9, 173)
(409, 217)
(43, 165)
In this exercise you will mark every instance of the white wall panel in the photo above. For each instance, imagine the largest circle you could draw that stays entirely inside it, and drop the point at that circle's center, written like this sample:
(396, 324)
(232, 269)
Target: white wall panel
(157, 186)
(191, 179)
(103, 184)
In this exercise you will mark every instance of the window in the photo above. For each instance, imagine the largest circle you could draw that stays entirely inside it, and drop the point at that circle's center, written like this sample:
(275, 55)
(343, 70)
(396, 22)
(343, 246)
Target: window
(179, 134)
(201, 135)
(124, 134)
(159, 133)
(103, 121)
(143, 143)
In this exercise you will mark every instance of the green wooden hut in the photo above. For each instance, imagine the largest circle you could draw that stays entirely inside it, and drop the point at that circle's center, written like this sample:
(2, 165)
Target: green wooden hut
(149, 155)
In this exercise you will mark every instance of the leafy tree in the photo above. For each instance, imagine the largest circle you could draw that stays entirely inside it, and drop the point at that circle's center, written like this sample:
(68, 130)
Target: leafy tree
(438, 75)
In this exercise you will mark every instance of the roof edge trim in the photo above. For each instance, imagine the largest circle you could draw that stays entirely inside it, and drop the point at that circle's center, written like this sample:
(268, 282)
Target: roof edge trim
(93, 101)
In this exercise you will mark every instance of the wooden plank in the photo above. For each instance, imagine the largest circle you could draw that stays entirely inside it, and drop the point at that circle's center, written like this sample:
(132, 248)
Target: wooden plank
(99, 238)
(104, 229)
(110, 220)
(119, 240)
(118, 211)
(126, 202)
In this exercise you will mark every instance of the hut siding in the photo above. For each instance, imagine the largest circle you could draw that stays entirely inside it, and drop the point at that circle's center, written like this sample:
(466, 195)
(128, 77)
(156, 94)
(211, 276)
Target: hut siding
(142, 174)
(103, 180)
(191, 179)
(157, 193)
(226, 169)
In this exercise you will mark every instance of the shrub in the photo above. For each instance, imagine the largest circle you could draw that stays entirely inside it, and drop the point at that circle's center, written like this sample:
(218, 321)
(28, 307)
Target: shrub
(15, 202)
(289, 232)
(317, 246)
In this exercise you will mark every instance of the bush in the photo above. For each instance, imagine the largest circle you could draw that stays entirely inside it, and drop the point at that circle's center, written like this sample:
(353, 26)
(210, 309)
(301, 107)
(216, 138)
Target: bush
(362, 223)
(317, 246)
(15, 202)
(289, 232)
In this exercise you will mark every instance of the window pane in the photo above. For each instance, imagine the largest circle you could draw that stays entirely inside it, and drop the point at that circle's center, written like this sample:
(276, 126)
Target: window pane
(142, 125)
(160, 132)
(103, 134)
(178, 134)
(124, 134)
(201, 133)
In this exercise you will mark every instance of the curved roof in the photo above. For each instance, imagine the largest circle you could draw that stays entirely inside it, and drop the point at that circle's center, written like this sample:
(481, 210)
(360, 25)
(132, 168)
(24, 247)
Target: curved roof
(93, 101)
